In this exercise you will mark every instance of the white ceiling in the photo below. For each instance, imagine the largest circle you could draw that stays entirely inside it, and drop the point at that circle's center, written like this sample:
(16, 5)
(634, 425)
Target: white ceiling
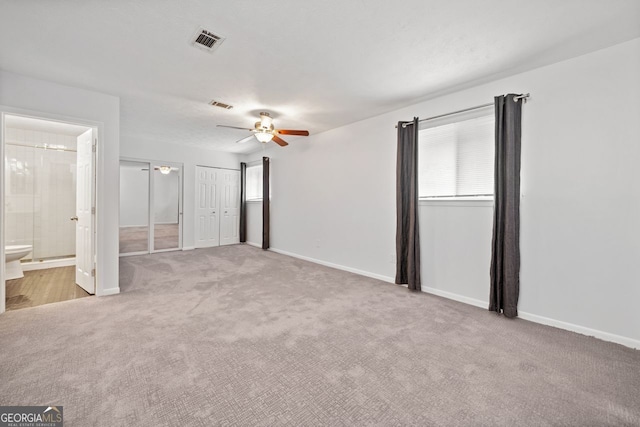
(312, 65)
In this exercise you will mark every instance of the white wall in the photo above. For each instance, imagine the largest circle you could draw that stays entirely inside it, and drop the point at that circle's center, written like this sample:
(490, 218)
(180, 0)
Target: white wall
(334, 198)
(254, 223)
(456, 249)
(51, 100)
(190, 157)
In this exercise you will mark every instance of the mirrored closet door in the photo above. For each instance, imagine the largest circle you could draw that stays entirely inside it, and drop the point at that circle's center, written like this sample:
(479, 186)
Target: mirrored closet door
(134, 207)
(150, 206)
(167, 208)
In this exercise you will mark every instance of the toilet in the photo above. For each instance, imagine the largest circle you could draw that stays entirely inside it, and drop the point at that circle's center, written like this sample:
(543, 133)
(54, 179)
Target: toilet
(12, 255)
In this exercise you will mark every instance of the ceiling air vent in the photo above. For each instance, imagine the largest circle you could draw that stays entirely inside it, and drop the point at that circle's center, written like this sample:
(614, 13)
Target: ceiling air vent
(206, 40)
(221, 105)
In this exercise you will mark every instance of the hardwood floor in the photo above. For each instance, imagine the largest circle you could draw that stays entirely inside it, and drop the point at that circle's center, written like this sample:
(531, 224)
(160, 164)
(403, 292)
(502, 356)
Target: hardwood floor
(40, 287)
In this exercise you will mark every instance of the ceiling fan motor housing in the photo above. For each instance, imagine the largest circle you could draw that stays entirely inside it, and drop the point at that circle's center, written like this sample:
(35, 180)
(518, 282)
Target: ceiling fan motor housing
(261, 128)
(266, 122)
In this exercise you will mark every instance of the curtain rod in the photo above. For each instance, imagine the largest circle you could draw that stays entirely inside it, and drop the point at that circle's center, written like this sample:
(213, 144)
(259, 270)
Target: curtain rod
(524, 96)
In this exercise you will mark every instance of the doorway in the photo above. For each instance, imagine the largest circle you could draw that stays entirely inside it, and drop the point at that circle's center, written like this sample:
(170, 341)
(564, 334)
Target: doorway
(49, 210)
(217, 207)
(150, 206)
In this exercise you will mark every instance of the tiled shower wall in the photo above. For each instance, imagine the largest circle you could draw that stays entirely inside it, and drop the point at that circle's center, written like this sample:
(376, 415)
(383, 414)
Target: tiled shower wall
(40, 193)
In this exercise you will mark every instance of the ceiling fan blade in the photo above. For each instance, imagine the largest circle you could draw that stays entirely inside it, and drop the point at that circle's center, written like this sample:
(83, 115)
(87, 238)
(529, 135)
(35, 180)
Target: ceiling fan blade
(245, 139)
(233, 127)
(281, 142)
(293, 132)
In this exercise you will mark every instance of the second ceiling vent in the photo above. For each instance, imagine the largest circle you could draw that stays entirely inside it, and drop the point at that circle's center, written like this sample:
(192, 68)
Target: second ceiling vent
(221, 105)
(206, 40)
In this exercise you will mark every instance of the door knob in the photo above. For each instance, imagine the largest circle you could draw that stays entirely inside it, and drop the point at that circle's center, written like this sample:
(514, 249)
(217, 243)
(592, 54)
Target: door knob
(74, 218)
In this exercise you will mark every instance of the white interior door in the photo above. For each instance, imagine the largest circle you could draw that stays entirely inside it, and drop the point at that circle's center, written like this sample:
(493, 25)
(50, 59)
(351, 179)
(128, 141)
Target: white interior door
(84, 213)
(207, 208)
(230, 218)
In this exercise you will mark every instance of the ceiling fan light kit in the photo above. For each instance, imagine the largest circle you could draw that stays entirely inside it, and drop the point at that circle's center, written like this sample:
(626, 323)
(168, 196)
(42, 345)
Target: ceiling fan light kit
(264, 136)
(265, 131)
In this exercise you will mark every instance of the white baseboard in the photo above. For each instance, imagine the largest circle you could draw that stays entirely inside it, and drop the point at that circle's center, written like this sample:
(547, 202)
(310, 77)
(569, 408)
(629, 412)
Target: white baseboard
(605, 336)
(455, 297)
(49, 263)
(188, 248)
(336, 266)
(110, 291)
(257, 245)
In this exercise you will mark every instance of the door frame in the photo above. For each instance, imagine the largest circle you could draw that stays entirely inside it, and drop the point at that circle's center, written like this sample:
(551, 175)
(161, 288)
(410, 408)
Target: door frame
(150, 234)
(98, 128)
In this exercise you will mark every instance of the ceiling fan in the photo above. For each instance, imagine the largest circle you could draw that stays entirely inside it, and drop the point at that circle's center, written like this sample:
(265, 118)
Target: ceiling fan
(264, 131)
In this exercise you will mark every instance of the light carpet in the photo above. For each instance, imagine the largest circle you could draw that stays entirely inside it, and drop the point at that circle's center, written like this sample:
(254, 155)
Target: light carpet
(237, 336)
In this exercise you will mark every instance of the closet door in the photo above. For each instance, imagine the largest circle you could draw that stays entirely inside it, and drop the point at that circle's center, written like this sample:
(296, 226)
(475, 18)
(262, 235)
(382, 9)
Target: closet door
(230, 218)
(167, 207)
(150, 207)
(134, 207)
(207, 207)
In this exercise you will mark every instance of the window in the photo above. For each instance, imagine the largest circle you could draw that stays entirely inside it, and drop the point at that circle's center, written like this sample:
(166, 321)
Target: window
(456, 155)
(254, 182)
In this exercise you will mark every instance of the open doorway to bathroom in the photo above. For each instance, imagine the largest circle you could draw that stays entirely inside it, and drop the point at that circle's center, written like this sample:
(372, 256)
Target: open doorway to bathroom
(49, 211)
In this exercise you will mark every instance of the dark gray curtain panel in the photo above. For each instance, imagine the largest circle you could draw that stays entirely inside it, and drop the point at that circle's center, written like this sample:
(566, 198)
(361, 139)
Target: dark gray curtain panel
(407, 230)
(505, 252)
(243, 202)
(265, 203)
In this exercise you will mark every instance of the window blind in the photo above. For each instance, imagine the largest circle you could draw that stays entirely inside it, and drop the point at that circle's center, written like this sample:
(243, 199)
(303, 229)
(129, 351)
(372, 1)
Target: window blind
(456, 159)
(254, 182)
